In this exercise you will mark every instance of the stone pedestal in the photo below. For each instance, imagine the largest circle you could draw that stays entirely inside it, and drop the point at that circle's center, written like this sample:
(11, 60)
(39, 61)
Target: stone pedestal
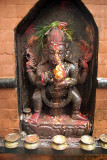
(48, 126)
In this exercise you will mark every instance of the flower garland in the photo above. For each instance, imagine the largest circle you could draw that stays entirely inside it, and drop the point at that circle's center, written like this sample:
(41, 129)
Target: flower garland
(44, 30)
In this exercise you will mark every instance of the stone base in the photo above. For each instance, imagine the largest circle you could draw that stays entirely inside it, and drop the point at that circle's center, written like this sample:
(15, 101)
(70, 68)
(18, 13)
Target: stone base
(48, 126)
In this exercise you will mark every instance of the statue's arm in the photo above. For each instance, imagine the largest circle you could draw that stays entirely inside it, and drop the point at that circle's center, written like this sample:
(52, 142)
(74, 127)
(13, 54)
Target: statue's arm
(83, 62)
(70, 80)
(32, 76)
(37, 79)
(73, 75)
(84, 72)
(31, 66)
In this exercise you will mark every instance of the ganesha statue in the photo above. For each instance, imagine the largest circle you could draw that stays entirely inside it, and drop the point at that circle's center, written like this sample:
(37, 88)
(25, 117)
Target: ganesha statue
(56, 76)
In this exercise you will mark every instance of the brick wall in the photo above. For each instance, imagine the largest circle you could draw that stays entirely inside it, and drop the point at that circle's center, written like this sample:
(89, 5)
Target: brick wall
(11, 13)
(8, 112)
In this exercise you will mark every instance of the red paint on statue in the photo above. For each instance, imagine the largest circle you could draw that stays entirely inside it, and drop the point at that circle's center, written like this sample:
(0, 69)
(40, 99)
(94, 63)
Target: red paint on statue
(34, 118)
(56, 47)
(29, 30)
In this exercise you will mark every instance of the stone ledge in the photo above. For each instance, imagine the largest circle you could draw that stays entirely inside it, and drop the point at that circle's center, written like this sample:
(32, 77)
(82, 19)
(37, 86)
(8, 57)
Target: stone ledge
(46, 149)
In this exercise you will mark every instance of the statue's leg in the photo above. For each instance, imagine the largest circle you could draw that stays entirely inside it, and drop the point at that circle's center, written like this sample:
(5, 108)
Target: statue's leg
(76, 98)
(37, 104)
(37, 101)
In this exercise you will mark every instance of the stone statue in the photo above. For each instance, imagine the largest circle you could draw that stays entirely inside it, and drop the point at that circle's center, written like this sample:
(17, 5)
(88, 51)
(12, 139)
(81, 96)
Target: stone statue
(55, 78)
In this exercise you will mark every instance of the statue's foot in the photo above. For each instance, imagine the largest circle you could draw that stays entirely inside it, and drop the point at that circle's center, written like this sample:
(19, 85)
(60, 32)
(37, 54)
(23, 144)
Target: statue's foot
(79, 116)
(34, 118)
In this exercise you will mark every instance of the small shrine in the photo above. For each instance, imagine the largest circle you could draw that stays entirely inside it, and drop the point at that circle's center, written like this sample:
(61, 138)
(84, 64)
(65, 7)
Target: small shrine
(56, 48)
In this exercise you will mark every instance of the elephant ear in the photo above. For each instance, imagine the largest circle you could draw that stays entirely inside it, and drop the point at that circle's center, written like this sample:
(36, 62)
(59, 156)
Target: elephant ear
(86, 62)
(73, 53)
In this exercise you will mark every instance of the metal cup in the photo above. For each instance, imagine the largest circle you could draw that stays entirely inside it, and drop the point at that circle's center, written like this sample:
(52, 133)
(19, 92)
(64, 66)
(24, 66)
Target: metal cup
(59, 142)
(31, 141)
(11, 140)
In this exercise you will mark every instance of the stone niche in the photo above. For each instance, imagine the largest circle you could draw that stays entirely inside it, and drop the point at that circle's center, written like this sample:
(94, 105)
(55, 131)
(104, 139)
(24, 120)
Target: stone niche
(83, 49)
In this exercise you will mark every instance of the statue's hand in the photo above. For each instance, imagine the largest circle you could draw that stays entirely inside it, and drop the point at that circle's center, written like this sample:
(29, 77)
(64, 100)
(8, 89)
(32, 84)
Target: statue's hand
(66, 83)
(83, 63)
(61, 84)
(46, 77)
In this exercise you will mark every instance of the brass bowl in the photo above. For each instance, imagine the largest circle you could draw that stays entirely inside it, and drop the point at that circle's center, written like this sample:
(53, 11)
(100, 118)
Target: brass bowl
(103, 138)
(87, 139)
(11, 140)
(31, 145)
(87, 143)
(31, 141)
(11, 144)
(27, 110)
(59, 142)
(12, 137)
(59, 139)
(103, 141)
(59, 146)
(27, 113)
(87, 147)
(103, 145)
